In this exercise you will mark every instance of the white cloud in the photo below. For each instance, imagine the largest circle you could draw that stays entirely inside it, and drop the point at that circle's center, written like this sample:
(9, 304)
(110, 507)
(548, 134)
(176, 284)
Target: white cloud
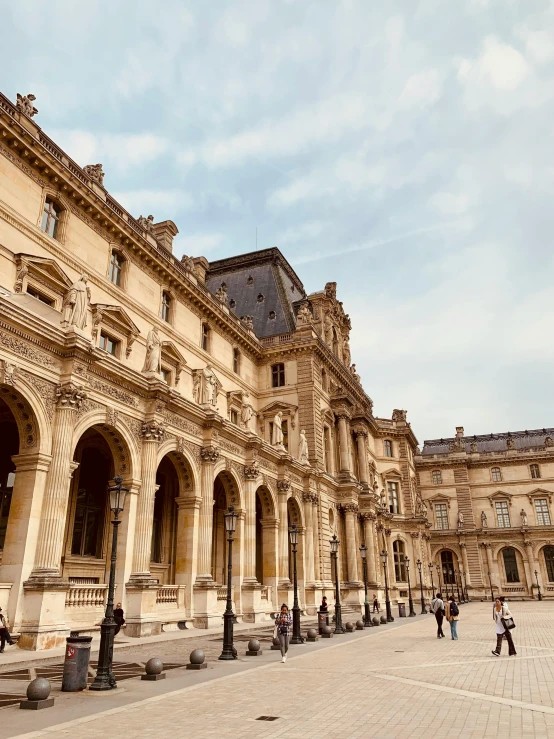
(449, 204)
(120, 150)
(196, 244)
(302, 232)
(161, 203)
(421, 89)
(539, 45)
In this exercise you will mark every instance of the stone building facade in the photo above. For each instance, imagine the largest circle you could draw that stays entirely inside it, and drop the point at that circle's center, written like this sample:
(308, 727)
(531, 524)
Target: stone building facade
(489, 501)
(203, 385)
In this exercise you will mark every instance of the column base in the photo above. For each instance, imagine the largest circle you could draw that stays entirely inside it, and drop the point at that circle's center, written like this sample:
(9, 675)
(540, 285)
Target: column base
(43, 625)
(207, 612)
(285, 594)
(141, 617)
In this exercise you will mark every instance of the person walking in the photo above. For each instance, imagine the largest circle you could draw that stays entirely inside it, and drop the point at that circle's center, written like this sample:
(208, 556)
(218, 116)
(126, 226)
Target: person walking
(4, 632)
(500, 613)
(283, 623)
(437, 607)
(452, 615)
(119, 618)
(375, 604)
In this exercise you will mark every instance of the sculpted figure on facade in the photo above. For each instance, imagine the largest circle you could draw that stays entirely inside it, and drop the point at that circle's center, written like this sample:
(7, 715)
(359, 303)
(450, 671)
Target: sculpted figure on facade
(510, 443)
(354, 374)
(146, 223)
(205, 386)
(95, 172)
(346, 352)
(303, 452)
(399, 415)
(247, 411)
(484, 524)
(460, 520)
(277, 431)
(328, 330)
(188, 263)
(523, 517)
(76, 303)
(25, 105)
(221, 294)
(247, 322)
(153, 359)
(304, 316)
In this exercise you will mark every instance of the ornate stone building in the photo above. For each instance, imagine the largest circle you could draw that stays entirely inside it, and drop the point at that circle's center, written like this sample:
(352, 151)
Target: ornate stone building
(490, 506)
(202, 385)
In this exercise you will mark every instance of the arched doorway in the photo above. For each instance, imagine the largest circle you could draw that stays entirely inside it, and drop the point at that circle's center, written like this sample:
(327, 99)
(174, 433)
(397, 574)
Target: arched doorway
(511, 569)
(548, 554)
(10, 446)
(164, 523)
(399, 554)
(225, 494)
(448, 563)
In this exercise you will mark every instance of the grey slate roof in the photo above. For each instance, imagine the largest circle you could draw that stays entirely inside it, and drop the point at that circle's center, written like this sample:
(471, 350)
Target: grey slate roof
(270, 276)
(491, 442)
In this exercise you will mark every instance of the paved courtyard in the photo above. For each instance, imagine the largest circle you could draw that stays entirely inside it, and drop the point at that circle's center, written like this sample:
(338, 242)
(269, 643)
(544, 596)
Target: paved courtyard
(392, 681)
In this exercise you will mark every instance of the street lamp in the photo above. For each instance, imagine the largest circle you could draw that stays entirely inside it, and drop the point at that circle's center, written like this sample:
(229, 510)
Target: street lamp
(384, 554)
(465, 585)
(296, 635)
(490, 583)
(445, 579)
(461, 585)
(229, 651)
(538, 586)
(105, 679)
(367, 617)
(334, 542)
(457, 585)
(432, 582)
(410, 601)
(438, 577)
(419, 566)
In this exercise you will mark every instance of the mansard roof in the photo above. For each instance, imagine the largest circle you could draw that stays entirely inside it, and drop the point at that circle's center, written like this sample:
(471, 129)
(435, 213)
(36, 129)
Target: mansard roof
(491, 442)
(259, 284)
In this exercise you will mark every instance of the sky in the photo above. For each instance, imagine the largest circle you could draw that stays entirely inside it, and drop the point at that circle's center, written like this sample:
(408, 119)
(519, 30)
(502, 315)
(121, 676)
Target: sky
(403, 149)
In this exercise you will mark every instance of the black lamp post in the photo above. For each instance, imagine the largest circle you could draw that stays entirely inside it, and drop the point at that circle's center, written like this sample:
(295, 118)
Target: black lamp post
(229, 651)
(410, 601)
(419, 566)
(538, 586)
(464, 600)
(384, 555)
(445, 580)
(457, 585)
(432, 582)
(367, 617)
(439, 577)
(296, 635)
(105, 679)
(334, 542)
(490, 584)
(465, 586)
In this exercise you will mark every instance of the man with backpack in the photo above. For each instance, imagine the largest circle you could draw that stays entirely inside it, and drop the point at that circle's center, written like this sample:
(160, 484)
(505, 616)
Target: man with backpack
(452, 616)
(437, 607)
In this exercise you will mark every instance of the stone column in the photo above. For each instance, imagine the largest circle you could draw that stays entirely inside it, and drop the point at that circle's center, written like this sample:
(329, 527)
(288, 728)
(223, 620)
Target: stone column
(350, 515)
(531, 566)
(315, 517)
(188, 512)
(251, 474)
(309, 539)
(344, 434)
(488, 551)
(210, 455)
(283, 487)
(361, 436)
(369, 532)
(390, 560)
(465, 564)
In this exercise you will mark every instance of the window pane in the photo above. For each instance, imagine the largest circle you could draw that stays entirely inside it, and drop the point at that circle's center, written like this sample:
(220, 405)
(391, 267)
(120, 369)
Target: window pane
(543, 514)
(510, 564)
(447, 561)
(502, 515)
(388, 448)
(399, 563)
(392, 488)
(496, 475)
(437, 477)
(549, 561)
(441, 513)
(535, 471)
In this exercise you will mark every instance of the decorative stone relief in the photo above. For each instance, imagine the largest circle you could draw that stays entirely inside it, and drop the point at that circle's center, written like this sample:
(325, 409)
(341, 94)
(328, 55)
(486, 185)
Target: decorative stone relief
(112, 417)
(70, 395)
(221, 294)
(76, 304)
(46, 390)
(251, 472)
(87, 406)
(206, 386)
(209, 454)
(114, 392)
(247, 322)
(304, 316)
(94, 171)
(173, 419)
(399, 415)
(146, 223)
(188, 263)
(8, 372)
(153, 430)
(25, 350)
(283, 486)
(25, 105)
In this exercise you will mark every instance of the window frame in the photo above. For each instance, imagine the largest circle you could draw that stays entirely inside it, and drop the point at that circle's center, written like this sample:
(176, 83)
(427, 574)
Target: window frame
(398, 555)
(535, 467)
(205, 337)
(549, 562)
(393, 496)
(237, 356)
(510, 576)
(51, 201)
(166, 307)
(436, 476)
(439, 516)
(505, 514)
(387, 447)
(278, 376)
(496, 474)
(542, 513)
(109, 338)
(40, 295)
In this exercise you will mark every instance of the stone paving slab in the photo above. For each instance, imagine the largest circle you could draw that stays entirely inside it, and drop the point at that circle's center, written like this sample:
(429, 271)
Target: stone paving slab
(398, 680)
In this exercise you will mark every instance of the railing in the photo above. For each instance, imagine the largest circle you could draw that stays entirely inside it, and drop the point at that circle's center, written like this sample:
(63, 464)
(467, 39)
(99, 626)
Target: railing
(86, 596)
(278, 339)
(167, 594)
(514, 589)
(265, 592)
(222, 592)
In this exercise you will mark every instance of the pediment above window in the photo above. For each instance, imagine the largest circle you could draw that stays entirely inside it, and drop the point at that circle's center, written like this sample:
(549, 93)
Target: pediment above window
(540, 493)
(287, 409)
(41, 276)
(439, 498)
(116, 322)
(173, 360)
(499, 496)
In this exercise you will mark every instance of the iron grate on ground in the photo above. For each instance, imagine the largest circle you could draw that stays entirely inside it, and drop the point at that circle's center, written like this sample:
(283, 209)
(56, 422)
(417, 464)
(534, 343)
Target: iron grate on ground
(267, 718)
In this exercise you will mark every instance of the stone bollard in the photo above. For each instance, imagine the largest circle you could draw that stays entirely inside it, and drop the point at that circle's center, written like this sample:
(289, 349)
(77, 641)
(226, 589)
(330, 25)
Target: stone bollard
(38, 691)
(197, 658)
(276, 644)
(383, 619)
(326, 632)
(349, 626)
(359, 625)
(254, 648)
(154, 670)
(311, 635)
(375, 621)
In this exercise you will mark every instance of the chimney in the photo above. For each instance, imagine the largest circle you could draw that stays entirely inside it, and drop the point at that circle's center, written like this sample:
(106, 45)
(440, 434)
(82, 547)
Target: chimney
(459, 432)
(201, 266)
(164, 233)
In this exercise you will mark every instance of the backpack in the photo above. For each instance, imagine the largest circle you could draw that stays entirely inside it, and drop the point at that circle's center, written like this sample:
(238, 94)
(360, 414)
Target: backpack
(454, 610)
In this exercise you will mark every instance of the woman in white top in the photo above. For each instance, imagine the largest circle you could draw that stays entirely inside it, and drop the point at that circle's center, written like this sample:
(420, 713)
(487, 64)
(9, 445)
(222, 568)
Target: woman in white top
(499, 612)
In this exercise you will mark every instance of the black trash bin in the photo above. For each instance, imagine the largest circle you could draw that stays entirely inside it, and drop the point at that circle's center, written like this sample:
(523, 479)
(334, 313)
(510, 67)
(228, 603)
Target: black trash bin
(75, 666)
(402, 610)
(322, 620)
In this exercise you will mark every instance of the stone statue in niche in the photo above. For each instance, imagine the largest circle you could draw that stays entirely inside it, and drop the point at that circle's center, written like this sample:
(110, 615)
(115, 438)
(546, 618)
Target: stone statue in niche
(94, 171)
(523, 518)
(153, 360)
(247, 411)
(303, 452)
(25, 105)
(460, 520)
(304, 316)
(196, 387)
(277, 432)
(209, 386)
(146, 223)
(484, 524)
(76, 303)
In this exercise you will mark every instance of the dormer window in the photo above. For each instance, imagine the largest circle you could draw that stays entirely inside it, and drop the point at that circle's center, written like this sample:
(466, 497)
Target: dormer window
(165, 309)
(250, 280)
(260, 298)
(51, 217)
(272, 315)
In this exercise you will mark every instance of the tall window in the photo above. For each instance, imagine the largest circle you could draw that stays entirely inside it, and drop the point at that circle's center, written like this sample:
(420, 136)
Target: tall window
(116, 268)
(165, 310)
(441, 515)
(502, 515)
(157, 527)
(387, 447)
(392, 488)
(327, 447)
(6, 489)
(236, 361)
(278, 375)
(90, 508)
(51, 217)
(549, 562)
(399, 563)
(447, 561)
(510, 564)
(543, 514)
(108, 344)
(205, 342)
(437, 477)
(496, 474)
(535, 471)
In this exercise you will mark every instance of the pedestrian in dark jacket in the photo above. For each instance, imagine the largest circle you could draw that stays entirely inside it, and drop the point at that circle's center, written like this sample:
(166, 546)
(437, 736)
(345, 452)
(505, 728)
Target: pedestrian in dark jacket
(119, 618)
(437, 607)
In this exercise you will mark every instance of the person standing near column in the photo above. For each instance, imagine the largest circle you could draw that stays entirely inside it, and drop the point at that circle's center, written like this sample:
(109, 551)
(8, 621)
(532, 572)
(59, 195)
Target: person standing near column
(283, 622)
(437, 607)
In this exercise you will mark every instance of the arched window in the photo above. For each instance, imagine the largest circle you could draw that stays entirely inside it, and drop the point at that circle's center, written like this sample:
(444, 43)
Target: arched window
(116, 268)
(51, 217)
(510, 564)
(165, 308)
(447, 562)
(496, 474)
(535, 471)
(549, 562)
(399, 563)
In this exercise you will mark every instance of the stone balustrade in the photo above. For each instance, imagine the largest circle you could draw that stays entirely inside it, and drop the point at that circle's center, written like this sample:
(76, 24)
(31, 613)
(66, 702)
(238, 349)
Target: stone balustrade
(86, 596)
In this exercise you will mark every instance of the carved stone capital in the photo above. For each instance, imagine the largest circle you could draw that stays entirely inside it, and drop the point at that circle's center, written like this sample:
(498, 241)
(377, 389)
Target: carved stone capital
(283, 486)
(349, 508)
(310, 497)
(368, 516)
(252, 471)
(8, 372)
(388, 532)
(486, 544)
(414, 534)
(463, 545)
(528, 543)
(360, 431)
(153, 430)
(209, 454)
(69, 395)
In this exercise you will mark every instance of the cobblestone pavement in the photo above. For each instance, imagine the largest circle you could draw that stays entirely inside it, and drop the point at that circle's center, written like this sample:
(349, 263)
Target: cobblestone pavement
(386, 682)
